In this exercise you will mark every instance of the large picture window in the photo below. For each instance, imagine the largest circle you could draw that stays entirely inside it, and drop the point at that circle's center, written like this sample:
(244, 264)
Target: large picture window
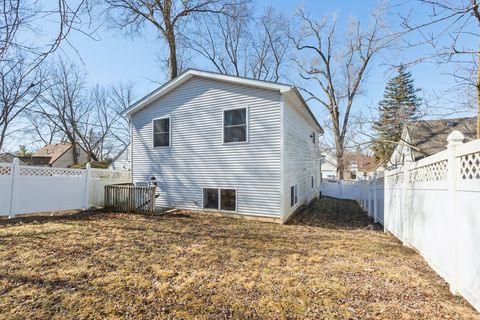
(235, 125)
(220, 199)
(161, 132)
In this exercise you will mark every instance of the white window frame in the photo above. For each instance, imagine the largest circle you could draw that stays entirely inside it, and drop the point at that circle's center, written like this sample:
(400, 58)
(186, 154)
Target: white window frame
(247, 126)
(295, 195)
(169, 132)
(219, 199)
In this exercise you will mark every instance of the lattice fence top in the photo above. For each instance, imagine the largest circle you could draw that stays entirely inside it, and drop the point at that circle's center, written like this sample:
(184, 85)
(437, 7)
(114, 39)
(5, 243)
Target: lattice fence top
(395, 178)
(470, 166)
(5, 170)
(109, 174)
(433, 172)
(50, 172)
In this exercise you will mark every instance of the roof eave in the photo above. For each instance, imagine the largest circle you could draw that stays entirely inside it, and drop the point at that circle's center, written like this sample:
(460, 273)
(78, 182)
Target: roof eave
(190, 73)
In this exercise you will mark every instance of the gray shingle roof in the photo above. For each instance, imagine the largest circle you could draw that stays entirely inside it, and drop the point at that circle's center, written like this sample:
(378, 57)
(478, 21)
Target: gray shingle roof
(430, 136)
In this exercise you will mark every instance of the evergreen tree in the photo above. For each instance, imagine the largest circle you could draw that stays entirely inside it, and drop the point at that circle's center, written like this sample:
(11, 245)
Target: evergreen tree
(399, 106)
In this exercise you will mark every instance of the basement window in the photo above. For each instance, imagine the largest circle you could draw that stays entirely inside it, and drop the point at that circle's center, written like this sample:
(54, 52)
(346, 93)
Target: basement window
(223, 199)
(161, 132)
(235, 125)
(293, 195)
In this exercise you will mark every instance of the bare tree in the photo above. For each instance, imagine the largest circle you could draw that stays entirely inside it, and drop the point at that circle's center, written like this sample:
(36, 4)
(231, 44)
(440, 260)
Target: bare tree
(20, 59)
(63, 102)
(168, 17)
(337, 67)
(19, 88)
(103, 131)
(86, 117)
(241, 44)
(452, 29)
(122, 98)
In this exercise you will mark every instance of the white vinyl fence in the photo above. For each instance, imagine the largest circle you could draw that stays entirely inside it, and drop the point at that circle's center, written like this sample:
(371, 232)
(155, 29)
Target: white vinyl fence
(368, 193)
(433, 205)
(27, 189)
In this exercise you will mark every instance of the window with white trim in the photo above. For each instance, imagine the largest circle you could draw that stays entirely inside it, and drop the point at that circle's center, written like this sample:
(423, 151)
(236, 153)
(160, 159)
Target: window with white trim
(293, 195)
(220, 199)
(161, 132)
(235, 127)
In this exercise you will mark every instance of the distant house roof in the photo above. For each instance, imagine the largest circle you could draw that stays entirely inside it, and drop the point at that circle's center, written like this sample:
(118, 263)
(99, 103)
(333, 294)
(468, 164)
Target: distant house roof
(284, 89)
(52, 151)
(35, 160)
(6, 157)
(366, 163)
(428, 137)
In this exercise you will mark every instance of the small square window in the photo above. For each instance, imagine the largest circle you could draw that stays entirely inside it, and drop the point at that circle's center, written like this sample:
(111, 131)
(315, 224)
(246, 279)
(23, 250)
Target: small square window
(235, 125)
(161, 132)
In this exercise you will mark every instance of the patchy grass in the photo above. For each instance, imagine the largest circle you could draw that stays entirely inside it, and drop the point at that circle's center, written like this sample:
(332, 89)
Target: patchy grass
(330, 262)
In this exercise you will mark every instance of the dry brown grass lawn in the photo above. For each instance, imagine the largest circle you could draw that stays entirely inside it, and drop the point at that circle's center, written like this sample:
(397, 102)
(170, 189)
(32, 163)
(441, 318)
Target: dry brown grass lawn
(330, 262)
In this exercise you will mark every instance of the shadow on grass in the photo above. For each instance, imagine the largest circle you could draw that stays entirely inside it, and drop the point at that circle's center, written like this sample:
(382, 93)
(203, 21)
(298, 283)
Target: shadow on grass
(334, 214)
(48, 217)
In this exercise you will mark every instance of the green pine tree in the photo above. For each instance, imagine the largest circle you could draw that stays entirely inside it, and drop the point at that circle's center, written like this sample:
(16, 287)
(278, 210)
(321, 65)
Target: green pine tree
(400, 105)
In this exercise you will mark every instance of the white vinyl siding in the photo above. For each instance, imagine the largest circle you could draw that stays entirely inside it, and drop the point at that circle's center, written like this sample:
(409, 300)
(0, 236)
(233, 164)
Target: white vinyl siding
(301, 159)
(198, 158)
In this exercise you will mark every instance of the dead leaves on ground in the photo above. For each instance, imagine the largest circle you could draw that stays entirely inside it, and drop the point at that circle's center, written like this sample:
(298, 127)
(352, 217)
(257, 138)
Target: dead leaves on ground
(330, 262)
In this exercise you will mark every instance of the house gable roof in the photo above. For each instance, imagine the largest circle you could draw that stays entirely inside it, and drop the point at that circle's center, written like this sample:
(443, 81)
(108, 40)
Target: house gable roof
(284, 89)
(428, 137)
(54, 151)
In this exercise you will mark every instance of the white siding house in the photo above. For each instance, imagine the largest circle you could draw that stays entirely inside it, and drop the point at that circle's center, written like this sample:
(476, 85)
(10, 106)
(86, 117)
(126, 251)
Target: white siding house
(122, 160)
(225, 143)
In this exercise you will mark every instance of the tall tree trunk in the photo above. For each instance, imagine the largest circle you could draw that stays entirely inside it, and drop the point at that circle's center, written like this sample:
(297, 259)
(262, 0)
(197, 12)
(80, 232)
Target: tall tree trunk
(339, 152)
(172, 58)
(74, 150)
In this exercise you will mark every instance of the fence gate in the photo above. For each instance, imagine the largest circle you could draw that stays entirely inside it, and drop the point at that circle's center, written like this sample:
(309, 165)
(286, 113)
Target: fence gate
(130, 198)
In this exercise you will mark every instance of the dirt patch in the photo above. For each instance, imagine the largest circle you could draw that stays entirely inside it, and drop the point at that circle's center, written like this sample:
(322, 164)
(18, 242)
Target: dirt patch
(330, 262)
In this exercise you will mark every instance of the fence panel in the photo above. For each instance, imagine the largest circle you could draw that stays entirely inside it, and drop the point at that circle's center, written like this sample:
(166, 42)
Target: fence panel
(6, 177)
(130, 198)
(368, 193)
(28, 189)
(38, 189)
(99, 178)
(433, 206)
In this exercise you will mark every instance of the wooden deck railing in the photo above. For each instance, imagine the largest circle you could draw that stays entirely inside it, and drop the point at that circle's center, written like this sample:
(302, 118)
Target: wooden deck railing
(130, 198)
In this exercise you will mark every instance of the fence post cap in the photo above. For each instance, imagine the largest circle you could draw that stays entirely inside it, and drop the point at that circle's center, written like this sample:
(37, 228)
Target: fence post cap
(16, 161)
(455, 138)
(88, 165)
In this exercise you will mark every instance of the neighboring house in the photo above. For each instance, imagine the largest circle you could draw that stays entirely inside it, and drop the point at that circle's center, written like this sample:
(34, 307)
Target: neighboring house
(329, 165)
(6, 157)
(55, 155)
(427, 137)
(122, 160)
(225, 143)
(363, 166)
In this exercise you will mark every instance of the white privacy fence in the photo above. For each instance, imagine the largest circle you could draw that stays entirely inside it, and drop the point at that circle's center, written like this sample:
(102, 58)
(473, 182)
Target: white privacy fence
(368, 193)
(27, 189)
(433, 205)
